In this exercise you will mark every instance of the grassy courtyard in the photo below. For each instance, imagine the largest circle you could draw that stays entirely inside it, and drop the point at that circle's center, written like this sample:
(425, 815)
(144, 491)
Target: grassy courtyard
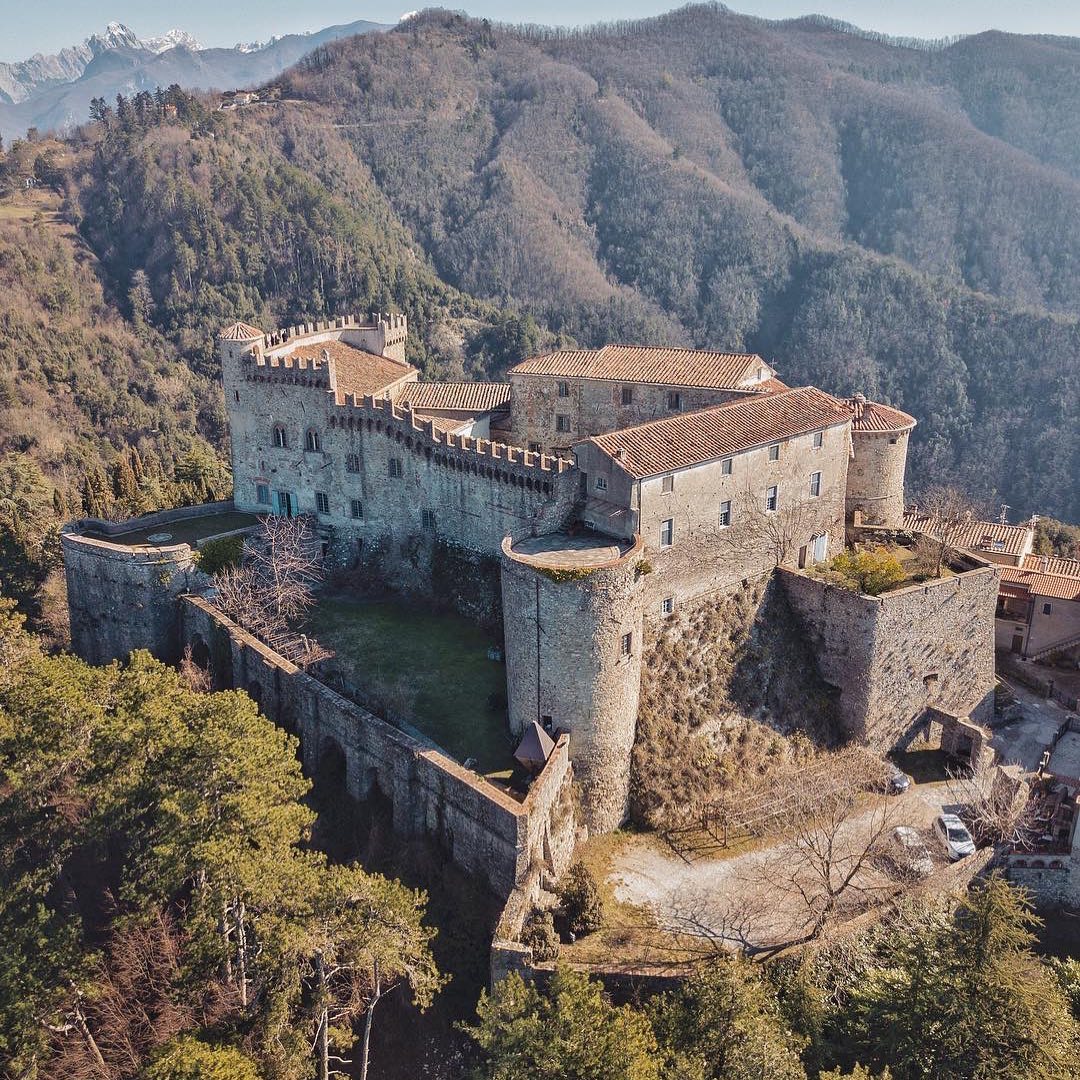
(429, 667)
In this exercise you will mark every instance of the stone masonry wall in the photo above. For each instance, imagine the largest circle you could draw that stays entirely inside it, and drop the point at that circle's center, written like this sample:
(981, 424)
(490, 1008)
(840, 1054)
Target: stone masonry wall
(876, 477)
(482, 829)
(565, 661)
(895, 656)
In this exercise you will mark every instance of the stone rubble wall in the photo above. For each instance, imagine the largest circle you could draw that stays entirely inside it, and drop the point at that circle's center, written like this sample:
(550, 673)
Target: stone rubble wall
(895, 656)
(482, 829)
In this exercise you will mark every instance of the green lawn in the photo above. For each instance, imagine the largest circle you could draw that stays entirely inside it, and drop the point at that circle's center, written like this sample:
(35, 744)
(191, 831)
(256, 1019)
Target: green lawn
(186, 531)
(431, 668)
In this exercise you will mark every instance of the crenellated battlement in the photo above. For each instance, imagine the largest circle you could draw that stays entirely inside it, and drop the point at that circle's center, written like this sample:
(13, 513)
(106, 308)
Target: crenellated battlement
(393, 326)
(423, 435)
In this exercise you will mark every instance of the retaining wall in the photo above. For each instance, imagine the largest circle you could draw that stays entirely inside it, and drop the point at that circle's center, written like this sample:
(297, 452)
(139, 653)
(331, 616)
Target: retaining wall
(481, 828)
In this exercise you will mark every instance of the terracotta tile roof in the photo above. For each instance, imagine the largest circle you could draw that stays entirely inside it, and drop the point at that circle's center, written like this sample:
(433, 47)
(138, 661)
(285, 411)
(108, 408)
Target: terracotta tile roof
(1057, 586)
(770, 386)
(471, 397)
(358, 372)
(240, 331)
(1052, 564)
(872, 416)
(978, 535)
(658, 365)
(678, 442)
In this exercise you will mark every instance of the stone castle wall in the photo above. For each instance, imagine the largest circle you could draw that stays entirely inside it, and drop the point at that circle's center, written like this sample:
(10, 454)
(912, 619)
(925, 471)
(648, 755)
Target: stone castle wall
(875, 477)
(566, 666)
(893, 657)
(482, 829)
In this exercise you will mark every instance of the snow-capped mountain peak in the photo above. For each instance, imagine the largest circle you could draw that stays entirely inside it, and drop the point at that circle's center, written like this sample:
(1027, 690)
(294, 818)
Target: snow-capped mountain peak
(116, 36)
(163, 42)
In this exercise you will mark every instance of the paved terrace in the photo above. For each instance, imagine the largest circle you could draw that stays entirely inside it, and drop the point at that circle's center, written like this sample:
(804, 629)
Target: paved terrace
(1065, 758)
(186, 531)
(561, 551)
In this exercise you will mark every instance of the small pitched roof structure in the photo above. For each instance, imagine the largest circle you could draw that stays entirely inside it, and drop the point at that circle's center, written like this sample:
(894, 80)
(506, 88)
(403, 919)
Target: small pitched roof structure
(657, 365)
(873, 416)
(241, 331)
(535, 748)
(1045, 575)
(356, 371)
(988, 536)
(470, 397)
(687, 439)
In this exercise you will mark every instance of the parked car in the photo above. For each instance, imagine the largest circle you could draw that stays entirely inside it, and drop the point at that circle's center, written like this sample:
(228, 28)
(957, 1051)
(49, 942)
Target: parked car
(953, 836)
(897, 780)
(907, 854)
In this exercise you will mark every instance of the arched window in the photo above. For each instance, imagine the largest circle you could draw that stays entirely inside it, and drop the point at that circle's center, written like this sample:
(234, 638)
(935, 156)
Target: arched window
(281, 440)
(352, 463)
(311, 442)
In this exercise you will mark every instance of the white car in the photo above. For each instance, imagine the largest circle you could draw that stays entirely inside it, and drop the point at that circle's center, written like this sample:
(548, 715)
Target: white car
(907, 854)
(953, 835)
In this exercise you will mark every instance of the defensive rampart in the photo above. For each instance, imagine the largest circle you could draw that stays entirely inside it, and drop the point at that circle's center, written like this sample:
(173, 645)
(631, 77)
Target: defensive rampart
(480, 827)
(893, 657)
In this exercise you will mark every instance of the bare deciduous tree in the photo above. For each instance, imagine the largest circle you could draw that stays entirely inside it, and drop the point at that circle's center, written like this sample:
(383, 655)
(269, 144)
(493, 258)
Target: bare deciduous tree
(780, 532)
(997, 805)
(946, 511)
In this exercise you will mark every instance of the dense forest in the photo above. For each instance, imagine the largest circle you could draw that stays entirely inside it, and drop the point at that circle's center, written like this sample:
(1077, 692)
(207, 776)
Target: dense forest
(890, 217)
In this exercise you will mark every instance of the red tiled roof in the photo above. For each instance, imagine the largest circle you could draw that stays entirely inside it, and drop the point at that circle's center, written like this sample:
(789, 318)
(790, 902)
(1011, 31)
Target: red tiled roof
(678, 442)
(977, 535)
(472, 397)
(1052, 564)
(873, 416)
(358, 371)
(1060, 587)
(240, 331)
(658, 365)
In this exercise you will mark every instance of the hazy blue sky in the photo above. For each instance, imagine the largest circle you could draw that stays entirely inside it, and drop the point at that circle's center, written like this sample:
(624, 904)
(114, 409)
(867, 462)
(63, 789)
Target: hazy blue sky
(46, 27)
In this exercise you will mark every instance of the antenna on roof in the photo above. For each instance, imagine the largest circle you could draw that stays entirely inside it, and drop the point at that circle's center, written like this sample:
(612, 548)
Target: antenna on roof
(1004, 518)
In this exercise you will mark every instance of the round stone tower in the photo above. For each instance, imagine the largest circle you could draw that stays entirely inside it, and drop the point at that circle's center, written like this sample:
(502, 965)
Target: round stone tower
(572, 611)
(875, 479)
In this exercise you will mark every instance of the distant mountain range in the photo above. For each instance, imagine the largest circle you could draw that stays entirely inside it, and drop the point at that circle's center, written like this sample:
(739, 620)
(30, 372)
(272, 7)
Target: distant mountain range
(54, 92)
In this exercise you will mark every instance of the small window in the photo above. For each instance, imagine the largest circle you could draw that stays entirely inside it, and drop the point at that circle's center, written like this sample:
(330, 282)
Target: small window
(725, 513)
(394, 469)
(628, 395)
(564, 389)
(725, 466)
(772, 499)
(1047, 608)
(427, 519)
(819, 439)
(815, 485)
(601, 483)
(535, 448)
(667, 484)
(356, 509)
(281, 440)
(667, 532)
(236, 395)
(322, 502)
(562, 422)
(312, 442)
(626, 646)
(674, 400)
(667, 605)
(352, 462)
(262, 494)
(774, 452)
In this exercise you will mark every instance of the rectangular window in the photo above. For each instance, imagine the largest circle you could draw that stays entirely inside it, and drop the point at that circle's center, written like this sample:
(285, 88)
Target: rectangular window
(564, 389)
(601, 483)
(667, 484)
(427, 519)
(322, 502)
(262, 494)
(772, 499)
(393, 468)
(774, 452)
(815, 484)
(352, 462)
(674, 400)
(667, 605)
(1047, 608)
(356, 509)
(562, 422)
(725, 513)
(667, 532)
(535, 448)
(626, 646)
(819, 439)
(725, 466)
(628, 395)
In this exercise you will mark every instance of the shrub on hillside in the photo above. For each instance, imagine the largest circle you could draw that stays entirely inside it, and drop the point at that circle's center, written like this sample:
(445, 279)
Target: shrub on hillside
(540, 936)
(582, 904)
(221, 553)
(869, 572)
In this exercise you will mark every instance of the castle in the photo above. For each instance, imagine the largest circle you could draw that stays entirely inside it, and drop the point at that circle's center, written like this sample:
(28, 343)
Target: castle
(616, 488)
